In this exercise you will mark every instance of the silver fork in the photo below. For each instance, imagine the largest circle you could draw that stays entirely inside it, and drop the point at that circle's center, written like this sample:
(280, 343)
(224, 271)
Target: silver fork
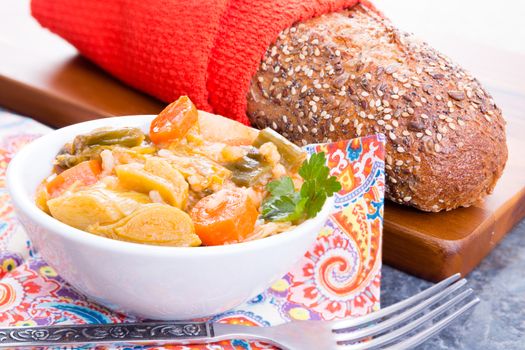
(398, 326)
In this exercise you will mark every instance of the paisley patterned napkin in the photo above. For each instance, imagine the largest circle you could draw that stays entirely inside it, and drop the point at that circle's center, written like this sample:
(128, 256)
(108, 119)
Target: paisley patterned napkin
(338, 277)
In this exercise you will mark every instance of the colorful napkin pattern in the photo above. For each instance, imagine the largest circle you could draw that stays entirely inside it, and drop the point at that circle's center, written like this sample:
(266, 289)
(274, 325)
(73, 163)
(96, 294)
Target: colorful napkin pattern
(338, 277)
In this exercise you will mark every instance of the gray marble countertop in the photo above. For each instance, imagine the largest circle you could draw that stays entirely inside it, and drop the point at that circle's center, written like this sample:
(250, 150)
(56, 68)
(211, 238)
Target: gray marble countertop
(498, 321)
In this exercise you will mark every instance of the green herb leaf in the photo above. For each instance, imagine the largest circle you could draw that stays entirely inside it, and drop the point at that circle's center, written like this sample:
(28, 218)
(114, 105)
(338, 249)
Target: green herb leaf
(284, 203)
(282, 187)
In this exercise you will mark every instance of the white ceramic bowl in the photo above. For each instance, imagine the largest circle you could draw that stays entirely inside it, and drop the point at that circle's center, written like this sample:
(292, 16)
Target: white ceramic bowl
(149, 281)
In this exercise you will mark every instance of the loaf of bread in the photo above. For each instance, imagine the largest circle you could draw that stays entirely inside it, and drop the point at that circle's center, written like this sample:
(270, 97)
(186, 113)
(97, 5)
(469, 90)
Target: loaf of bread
(351, 73)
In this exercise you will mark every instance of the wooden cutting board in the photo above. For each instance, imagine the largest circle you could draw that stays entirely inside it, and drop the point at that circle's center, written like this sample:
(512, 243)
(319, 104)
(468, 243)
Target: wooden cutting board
(43, 77)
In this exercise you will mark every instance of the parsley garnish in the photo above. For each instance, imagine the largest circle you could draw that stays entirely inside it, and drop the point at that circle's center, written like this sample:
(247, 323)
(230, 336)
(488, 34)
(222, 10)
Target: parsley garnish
(284, 203)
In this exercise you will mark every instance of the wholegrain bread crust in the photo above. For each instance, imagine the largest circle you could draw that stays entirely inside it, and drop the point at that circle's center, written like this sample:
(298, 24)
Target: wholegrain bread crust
(351, 73)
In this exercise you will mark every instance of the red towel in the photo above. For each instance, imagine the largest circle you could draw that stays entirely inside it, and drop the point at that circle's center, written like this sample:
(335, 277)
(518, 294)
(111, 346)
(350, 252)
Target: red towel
(206, 49)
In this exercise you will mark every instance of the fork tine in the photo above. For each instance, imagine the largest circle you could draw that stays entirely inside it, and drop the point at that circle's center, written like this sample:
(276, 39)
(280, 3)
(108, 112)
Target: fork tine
(418, 338)
(409, 327)
(382, 326)
(360, 321)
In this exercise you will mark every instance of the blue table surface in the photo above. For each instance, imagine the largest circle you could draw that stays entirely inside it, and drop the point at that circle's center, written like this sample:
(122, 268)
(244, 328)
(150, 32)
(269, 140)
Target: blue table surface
(498, 321)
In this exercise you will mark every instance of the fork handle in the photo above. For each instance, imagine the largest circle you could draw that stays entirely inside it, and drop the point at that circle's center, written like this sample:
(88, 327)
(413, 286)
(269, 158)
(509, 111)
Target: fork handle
(128, 333)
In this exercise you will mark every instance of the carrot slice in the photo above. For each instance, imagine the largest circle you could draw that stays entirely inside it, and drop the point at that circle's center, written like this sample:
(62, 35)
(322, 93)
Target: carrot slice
(174, 121)
(85, 173)
(227, 216)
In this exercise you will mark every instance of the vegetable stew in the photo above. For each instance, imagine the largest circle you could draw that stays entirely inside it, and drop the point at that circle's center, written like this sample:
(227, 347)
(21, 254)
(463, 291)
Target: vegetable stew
(175, 187)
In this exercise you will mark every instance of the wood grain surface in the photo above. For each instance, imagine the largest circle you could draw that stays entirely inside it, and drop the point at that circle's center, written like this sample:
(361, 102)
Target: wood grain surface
(43, 77)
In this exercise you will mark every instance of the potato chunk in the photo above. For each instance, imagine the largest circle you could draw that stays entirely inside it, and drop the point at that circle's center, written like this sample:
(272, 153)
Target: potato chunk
(162, 168)
(154, 223)
(135, 177)
(96, 205)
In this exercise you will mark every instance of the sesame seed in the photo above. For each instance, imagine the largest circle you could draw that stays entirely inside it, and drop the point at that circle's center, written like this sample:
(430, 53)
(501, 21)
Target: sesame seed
(326, 86)
(362, 114)
(405, 133)
(442, 117)
(399, 162)
(419, 135)
(452, 126)
(332, 128)
(304, 88)
(317, 52)
(315, 41)
(314, 108)
(395, 123)
(274, 125)
(407, 199)
(368, 76)
(424, 116)
(337, 53)
(314, 130)
(395, 89)
(293, 90)
(392, 135)
(364, 94)
(439, 136)
(487, 118)
(387, 117)
(405, 114)
(388, 127)
(276, 69)
(317, 86)
(261, 79)
(346, 121)
(400, 149)
(316, 98)
(285, 119)
(418, 104)
(437, 148)
(428, 132)
(395, 97)
(417, 158)
(371, 116)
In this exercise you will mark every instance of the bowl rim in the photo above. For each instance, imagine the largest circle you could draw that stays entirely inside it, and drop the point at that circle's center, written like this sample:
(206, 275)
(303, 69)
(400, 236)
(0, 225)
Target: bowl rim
(25, 203)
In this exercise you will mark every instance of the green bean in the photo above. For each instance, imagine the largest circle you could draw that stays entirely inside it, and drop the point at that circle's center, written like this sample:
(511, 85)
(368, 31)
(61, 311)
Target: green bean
(88, 146)
(249, 170)
(126, 137)
(292, 155)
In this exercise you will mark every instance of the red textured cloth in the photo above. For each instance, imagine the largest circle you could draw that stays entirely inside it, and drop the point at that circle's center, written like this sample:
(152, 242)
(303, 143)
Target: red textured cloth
(206, 49)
